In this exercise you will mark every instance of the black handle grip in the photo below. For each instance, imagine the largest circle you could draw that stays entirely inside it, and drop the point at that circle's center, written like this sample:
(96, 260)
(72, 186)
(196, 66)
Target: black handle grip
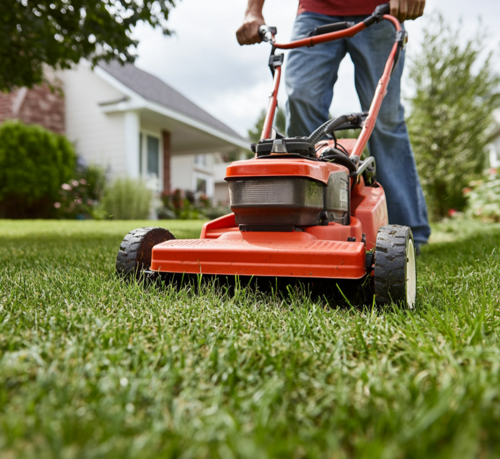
(267, 33)
(329, 28)
(380, 10)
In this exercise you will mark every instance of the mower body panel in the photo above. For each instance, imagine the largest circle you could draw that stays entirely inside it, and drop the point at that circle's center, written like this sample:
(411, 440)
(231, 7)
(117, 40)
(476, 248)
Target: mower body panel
(271, 254)
(333, 249)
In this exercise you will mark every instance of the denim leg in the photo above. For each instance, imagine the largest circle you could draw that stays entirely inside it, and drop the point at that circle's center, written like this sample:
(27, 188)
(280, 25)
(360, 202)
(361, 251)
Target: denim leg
(310, 76)
(389, 143)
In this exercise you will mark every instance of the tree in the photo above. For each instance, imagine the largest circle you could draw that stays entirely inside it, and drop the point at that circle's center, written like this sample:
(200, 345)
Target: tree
(279, 122)
(58, 33)
(456, 91)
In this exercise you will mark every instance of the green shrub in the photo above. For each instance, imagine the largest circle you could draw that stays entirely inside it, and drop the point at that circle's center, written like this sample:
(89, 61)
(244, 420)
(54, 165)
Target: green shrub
(34, 162)
(126, 199)
(483, 197)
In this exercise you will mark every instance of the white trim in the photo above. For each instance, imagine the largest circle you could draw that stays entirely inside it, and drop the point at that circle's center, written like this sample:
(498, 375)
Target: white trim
(131, 132)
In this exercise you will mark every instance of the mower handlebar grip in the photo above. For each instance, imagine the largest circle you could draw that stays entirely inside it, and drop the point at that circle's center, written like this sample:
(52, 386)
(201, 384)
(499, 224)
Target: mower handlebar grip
(267, 33)
(378, 14)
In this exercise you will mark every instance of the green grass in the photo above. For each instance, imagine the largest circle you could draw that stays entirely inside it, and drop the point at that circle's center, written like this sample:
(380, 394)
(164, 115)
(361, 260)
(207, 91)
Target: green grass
(93, 368)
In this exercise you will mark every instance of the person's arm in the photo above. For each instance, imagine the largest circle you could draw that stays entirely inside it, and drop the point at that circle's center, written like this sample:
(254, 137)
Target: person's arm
(407, 9)
(248, 33)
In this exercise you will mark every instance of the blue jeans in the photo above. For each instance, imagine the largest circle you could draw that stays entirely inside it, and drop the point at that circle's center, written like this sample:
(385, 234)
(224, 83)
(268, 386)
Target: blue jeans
(310, 77)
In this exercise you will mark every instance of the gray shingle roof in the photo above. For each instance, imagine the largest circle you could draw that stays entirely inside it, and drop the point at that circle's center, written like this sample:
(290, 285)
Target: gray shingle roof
(155, 90)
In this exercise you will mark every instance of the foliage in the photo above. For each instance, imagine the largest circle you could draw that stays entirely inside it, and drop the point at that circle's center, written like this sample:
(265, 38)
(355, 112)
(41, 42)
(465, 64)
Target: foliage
(93, 367)
(187, 205)
(279, 122)
(80, 197)
(456, 91)
(33, 164)
(179, 204)
(59, 33)
(126, 199)
(483, 197)
(230, 156)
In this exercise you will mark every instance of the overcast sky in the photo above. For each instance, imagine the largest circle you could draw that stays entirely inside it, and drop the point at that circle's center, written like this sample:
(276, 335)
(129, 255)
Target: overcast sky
(205, 63)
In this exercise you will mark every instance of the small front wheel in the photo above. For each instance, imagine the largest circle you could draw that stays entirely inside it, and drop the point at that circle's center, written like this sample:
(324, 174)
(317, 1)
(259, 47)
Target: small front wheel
(135, 250)
(395, 267)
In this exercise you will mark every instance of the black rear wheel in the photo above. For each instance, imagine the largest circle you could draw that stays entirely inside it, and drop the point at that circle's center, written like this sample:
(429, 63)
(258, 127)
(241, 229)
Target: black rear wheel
(395, 267)
(134, 255)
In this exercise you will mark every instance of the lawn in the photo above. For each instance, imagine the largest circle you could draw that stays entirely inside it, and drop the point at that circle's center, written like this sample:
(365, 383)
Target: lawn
(93, 368)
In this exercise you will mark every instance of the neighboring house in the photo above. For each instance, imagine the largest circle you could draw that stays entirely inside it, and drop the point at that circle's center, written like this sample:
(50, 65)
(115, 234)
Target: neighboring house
(495, 143)
(133, 123)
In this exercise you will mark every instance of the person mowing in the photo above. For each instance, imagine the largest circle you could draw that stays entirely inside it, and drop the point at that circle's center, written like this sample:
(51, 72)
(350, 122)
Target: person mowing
(312, 73)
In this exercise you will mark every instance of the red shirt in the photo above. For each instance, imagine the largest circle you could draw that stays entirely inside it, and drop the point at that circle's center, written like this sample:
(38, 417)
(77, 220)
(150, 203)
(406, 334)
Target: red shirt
(339, 7)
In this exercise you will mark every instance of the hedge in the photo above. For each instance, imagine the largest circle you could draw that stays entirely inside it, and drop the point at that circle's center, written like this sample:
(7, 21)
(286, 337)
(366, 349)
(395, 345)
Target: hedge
(34, 162)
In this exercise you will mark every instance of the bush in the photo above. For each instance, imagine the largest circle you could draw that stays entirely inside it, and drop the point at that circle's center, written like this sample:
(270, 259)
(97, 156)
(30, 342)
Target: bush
(187, 205)
(80, 196)
(180, 204)
(126, 199)
(33, 164)
(483, 197)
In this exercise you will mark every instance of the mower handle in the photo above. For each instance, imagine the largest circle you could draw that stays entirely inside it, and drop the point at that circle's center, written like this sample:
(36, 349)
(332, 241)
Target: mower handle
(333, 31)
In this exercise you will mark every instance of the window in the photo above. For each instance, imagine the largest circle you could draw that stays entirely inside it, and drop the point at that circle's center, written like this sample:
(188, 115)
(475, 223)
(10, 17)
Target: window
(201, 185)
(200, 160)
(153, 157)
(150, 160)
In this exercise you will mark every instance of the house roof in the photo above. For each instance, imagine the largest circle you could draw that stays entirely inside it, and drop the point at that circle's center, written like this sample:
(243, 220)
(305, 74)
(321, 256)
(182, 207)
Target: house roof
(155, 90)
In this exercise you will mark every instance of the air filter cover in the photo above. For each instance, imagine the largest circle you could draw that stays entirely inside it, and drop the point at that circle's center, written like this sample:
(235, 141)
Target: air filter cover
(295, 201)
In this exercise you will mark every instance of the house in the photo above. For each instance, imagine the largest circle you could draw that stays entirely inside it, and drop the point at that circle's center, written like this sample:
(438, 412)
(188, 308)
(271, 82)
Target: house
(495, 143)
(134, 124)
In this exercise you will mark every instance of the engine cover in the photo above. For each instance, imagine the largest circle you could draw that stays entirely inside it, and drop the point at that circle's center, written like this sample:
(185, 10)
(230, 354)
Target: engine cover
(259, 203)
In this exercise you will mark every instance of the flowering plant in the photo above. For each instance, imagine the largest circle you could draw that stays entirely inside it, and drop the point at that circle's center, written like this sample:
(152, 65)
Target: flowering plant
(79, 197)
(483, 197)
(74, 200)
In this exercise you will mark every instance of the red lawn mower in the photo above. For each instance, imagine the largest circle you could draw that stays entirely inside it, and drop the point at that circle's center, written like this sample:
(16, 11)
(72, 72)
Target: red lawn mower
(304, 208)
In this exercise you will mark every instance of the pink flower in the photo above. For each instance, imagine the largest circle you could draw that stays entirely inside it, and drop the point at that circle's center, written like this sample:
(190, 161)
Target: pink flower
(57, 205)
(452, 212)
(466, 191)
(74, 182)
(66, 187)
(90, 202)
(83, 181)
(78, 200)
(492, 171)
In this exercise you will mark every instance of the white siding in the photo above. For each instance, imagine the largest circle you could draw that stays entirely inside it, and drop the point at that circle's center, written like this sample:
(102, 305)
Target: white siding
(181, 172)
(99, 137)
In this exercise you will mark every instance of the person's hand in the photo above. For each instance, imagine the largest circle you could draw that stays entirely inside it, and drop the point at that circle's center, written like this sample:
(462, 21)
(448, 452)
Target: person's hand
(407, 9)
(248, 33)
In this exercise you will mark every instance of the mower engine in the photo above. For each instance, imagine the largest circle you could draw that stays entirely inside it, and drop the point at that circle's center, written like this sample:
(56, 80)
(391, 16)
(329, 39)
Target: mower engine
(262, 198)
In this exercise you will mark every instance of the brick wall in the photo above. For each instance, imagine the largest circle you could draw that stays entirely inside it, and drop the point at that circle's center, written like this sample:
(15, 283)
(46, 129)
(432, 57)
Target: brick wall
(39, 105)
